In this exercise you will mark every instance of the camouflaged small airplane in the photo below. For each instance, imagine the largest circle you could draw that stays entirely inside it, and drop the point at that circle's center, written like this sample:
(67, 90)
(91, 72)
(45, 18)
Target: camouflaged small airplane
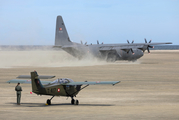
(60, 87)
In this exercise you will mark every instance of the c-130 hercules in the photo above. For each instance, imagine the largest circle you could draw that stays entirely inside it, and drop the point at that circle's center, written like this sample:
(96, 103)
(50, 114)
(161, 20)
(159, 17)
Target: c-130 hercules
(109, 52)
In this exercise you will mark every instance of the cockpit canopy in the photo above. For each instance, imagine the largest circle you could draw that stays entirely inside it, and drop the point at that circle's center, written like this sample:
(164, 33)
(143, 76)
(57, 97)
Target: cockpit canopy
(62, 81)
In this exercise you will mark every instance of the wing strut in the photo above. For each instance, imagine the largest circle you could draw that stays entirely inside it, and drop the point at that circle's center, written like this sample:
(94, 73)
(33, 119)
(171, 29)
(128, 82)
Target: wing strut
(79, 90)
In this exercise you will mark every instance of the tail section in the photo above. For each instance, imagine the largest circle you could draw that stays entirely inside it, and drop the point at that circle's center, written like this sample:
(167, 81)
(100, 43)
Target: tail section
(37, 87)
(61, 35)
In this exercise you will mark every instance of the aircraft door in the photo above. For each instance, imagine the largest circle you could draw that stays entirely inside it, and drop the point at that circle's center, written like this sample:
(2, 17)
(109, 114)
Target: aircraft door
(71, 89)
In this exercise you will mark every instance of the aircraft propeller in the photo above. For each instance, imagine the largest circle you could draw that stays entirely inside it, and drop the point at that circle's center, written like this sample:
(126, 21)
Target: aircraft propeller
(131, 48)
(148, 46)
(97, 42)
(84, 44)
(129, 42)
(131, 51)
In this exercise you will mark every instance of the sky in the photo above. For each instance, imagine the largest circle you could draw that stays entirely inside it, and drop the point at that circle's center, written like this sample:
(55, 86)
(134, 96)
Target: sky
(33, 22)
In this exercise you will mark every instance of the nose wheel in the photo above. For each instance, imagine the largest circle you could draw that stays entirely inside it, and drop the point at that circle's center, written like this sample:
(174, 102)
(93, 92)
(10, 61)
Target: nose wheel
(74, 102)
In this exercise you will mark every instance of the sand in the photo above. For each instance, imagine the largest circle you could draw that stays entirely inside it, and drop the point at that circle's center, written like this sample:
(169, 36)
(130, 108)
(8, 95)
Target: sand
(149, 88)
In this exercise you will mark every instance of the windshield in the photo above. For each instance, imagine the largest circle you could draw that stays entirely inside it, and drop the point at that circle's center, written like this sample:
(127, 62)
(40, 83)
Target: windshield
(62, 81)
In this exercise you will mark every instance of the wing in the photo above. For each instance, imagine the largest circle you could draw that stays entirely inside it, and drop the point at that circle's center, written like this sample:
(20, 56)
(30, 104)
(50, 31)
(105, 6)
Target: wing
(93, 83)
(40, 77)
(26, 81)
(128, 47)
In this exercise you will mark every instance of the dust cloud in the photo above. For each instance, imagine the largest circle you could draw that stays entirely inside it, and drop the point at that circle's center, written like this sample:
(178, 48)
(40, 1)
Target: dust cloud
(43, 58)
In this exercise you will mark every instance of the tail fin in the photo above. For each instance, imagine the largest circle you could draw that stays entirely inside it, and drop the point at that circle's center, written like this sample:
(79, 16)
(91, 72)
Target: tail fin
(37, 87)
(61, 35)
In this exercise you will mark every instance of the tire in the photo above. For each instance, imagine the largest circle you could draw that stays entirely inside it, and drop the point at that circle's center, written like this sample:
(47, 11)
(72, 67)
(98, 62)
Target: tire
(76, 102)
(72, 101)
(49, 102)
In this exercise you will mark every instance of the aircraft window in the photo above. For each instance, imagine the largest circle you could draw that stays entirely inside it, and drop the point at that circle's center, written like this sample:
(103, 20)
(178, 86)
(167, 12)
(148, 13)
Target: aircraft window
(55, 81)
(62, 81)
(70, 80)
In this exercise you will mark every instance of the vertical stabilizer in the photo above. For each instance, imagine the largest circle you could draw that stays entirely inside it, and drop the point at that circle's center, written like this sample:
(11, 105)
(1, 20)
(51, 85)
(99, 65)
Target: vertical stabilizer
(61, 35)
(37, 87)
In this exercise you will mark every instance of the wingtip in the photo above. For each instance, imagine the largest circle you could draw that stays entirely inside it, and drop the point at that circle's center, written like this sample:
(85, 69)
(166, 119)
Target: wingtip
(116, 83)
(169, 43)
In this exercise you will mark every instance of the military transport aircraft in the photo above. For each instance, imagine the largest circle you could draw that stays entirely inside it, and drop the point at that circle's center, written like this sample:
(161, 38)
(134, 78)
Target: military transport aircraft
(109, 52)
(60, 87)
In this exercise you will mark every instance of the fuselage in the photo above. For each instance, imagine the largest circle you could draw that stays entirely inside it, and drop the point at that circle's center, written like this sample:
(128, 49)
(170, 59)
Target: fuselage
(58, 88)
(99, 51)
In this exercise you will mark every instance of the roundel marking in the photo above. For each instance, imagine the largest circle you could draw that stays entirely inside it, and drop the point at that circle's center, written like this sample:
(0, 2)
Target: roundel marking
(58, 89)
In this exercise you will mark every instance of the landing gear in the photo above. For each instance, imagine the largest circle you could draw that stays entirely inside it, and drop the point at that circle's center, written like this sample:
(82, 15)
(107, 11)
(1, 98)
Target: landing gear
(111, 57)
(134, 60)
(76, 102)
(49, 101)
(72, 101)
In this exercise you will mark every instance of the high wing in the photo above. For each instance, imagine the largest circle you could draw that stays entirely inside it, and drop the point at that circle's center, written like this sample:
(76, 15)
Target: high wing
(40, 77)
(29, 77)
(26, 81)
(126, 47)
(93, 83)
(71, 83)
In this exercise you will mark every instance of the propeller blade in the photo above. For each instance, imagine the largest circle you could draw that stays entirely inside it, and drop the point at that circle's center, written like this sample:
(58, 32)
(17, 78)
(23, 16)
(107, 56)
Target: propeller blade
(132, 52)
(97, 42)
(128, 41)
(133, 41)
(150, 41)
(85, 43)
(148, 50)
(150, 46)
(145, 40)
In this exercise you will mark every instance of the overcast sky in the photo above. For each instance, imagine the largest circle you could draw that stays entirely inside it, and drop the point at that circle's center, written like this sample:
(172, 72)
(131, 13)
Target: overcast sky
(32, 22)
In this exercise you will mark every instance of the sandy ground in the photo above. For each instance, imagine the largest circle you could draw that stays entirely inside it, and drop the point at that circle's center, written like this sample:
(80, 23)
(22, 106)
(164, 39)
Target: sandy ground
(149, 88)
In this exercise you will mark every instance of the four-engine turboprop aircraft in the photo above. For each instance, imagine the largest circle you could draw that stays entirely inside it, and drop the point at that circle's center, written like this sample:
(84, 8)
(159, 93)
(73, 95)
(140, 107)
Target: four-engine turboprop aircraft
(109, 52)
(60, 87)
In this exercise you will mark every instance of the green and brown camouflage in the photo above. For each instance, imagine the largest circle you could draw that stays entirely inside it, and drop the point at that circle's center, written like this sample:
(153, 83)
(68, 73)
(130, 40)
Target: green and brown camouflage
(60, 87)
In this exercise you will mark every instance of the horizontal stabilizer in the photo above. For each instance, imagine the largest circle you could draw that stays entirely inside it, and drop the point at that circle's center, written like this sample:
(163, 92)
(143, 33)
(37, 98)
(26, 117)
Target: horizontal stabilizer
(40, 77)
(93, 83)
(25, 81)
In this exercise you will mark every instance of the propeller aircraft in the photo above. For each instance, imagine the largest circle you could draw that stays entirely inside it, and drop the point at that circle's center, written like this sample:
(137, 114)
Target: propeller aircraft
(109, 52)
(60, 87)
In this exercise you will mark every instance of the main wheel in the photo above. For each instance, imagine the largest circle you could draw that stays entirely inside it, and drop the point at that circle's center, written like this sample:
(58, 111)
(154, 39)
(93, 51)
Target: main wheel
(49, 102)
(72, 101)
(76, 102)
